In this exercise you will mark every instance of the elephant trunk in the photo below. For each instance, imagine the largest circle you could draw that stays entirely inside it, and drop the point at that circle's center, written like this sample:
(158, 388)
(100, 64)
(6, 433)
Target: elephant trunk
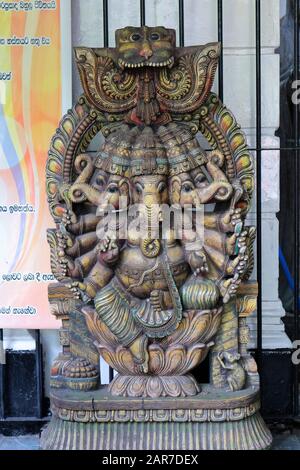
(217, 190)
(85, 167)
(150, 245)
(220, 189)
(80, 192)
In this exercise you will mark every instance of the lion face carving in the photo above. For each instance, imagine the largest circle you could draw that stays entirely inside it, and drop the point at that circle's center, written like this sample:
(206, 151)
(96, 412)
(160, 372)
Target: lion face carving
(146, 46)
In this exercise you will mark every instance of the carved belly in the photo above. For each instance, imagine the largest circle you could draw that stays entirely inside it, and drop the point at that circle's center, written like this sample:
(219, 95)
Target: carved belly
(140, 275)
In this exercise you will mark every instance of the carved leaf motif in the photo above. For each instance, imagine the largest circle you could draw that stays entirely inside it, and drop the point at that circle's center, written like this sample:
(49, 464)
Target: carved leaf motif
(175, 359)
(215, 320)
(217, 120)
(246, 304)
(250, 251)
(120, 359)
(196, 326)
(105, 86)
(195, 355)
(99, 330)
(173, 389)
(76, 130)
(56, 268)
(154, 387)
(156, 359)
(171, 357)
(186, 87)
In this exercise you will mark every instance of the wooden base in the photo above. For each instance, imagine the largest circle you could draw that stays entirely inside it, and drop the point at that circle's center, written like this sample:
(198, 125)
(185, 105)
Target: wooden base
(247, 434)
(211, 420)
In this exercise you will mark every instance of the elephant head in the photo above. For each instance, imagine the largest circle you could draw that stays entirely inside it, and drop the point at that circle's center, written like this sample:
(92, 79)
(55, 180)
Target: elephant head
(102, 181)
(203, 185)
(104, 190)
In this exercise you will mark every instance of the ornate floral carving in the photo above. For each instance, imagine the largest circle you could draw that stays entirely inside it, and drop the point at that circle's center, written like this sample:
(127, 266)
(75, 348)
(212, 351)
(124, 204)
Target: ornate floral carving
(180, 415)
(168, 360)
(154, 387)
(112, 85)
(107, 88)
(186, 87)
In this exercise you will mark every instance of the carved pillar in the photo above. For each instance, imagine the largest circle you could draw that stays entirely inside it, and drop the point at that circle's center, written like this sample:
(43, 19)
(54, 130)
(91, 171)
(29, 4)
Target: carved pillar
(75, 368)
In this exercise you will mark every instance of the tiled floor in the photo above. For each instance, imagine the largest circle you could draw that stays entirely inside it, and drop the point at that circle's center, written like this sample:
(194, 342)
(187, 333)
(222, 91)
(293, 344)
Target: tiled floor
(284, 441)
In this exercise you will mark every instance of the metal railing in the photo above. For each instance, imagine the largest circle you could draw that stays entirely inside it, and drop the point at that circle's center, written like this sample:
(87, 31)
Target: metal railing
(296, 208)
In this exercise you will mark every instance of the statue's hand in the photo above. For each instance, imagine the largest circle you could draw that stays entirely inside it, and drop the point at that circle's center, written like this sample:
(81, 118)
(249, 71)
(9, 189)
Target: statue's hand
(229, 287)
(198, 262)
(105, 244)
(78, 289)
(236, 269)
(67, 266)
(108, 250)
(68, 217)
(65, 243)
(231, 221)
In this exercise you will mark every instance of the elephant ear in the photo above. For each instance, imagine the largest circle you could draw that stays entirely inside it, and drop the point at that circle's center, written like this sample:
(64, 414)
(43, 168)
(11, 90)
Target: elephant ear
(186, 86)
(106, 87)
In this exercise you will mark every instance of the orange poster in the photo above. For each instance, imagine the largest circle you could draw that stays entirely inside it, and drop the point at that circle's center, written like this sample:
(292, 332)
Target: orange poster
(32, 71)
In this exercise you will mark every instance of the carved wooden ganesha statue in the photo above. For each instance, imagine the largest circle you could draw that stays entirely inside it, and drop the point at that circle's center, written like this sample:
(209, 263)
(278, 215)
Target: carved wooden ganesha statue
(152, 255)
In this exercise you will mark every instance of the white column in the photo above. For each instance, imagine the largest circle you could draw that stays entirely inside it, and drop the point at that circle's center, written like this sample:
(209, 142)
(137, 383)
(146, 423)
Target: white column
(239, 96)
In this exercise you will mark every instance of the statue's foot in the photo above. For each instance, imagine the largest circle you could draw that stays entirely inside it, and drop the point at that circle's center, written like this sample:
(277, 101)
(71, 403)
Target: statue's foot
(140, 353)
